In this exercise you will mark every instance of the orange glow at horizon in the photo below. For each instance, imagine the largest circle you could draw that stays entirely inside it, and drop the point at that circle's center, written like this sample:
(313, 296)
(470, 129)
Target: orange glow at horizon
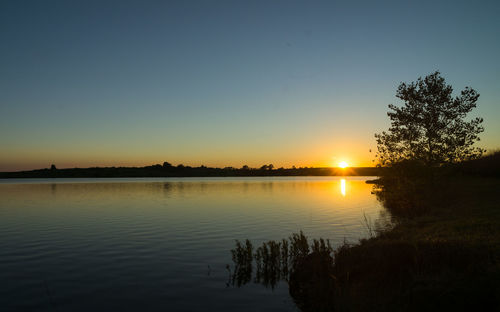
(321, 151)
(311, 155)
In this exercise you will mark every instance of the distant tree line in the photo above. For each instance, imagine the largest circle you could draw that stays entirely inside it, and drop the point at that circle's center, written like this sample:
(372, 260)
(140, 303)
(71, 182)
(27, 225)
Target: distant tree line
(169, 170)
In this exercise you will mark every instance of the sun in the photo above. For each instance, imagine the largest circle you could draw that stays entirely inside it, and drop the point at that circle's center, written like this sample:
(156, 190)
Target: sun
(343, 164)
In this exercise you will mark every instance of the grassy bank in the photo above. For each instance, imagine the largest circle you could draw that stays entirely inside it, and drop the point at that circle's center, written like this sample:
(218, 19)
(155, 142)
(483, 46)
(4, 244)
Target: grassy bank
(447, 258)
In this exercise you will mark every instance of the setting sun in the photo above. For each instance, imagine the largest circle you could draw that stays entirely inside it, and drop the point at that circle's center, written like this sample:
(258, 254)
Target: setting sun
(342, 164)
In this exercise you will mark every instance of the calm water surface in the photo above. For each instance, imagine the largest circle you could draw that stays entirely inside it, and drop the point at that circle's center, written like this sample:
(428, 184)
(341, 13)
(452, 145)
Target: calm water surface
(160, 244)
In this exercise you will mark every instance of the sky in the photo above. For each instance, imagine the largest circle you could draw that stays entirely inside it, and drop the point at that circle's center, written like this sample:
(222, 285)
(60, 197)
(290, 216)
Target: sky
(228, 83)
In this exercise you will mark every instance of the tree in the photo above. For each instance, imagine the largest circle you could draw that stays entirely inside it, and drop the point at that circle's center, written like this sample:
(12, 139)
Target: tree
(267, 167)
(431, 127)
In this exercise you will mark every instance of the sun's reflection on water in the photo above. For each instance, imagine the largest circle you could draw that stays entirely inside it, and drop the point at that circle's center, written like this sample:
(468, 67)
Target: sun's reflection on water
(342, 186)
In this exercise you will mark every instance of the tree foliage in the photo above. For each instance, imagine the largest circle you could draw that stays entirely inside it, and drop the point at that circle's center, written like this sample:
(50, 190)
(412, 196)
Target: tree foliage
(431, 127)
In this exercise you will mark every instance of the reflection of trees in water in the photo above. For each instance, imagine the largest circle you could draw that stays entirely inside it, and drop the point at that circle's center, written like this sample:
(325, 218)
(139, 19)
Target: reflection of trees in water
(53, 188)
(410, 190)
(167, 189)
(307, 268)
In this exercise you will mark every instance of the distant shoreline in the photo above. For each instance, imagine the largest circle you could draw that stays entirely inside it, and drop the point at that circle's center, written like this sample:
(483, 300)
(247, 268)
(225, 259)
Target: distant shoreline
(158, 171)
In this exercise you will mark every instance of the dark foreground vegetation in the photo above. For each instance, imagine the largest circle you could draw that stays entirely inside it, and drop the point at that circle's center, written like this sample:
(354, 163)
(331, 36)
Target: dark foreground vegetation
(167, 170)
(442, 252)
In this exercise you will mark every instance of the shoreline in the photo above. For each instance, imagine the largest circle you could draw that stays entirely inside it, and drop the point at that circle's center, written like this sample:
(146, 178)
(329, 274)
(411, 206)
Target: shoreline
(446, 258)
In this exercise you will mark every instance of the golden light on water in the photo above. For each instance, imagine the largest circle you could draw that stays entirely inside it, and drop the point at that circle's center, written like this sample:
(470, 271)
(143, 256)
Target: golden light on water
(342, 186)
(343, 164)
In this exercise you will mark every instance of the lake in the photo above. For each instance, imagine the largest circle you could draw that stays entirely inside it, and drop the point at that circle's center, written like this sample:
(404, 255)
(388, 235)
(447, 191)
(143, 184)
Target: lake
(161, 244)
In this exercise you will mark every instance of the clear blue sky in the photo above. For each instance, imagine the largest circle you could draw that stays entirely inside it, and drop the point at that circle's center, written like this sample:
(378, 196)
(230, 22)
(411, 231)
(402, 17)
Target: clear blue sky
(86, 83)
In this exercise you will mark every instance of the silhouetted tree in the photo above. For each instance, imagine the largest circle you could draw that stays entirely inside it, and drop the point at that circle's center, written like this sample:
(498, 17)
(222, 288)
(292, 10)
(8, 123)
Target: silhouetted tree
(430, 128)
(267, 167)
(245, 167)
(167, 164)
(53, 167)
